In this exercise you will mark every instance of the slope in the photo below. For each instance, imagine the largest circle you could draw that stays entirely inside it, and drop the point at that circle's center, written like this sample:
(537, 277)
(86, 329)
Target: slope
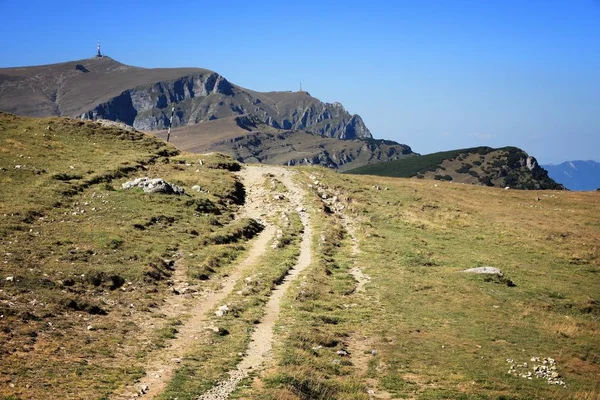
(104, 88)
(507, 166)
(249, 140)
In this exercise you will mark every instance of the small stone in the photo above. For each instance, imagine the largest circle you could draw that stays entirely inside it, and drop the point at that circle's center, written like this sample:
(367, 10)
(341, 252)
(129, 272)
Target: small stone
(91, 328)
(10, 278)
(341, 353)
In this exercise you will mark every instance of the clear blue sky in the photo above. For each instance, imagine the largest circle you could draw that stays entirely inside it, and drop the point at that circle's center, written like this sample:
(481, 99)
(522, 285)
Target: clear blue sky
(432, 74)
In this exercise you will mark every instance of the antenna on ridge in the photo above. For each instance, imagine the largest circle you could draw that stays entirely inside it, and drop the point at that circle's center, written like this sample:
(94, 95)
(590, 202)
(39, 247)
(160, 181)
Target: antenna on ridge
(300, 86)
(99, 54)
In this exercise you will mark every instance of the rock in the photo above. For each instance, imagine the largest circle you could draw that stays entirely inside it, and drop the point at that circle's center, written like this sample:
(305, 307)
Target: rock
(484, 270)
(91, 328)
(221, 311)
(10, 279)
(341, 353)
(197, 188)
(144, 389)
(300, 209)
(278, 197)
(157, 185)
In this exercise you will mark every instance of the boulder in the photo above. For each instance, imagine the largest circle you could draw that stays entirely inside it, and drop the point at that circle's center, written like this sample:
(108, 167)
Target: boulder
(157, 185)
(484, 270)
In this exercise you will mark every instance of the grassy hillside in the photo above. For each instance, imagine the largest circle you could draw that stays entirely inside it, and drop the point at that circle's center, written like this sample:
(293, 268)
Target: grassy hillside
(86, 265)
(507, 166)
(422, 329)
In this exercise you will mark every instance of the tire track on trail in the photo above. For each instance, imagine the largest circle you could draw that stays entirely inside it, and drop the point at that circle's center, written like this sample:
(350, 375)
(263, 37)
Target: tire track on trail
(261, 342)
(162, 364)
(361, 348)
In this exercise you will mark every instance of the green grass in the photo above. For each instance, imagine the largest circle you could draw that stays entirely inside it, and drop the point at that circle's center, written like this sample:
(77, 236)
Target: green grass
(83, 252)
(412, 166)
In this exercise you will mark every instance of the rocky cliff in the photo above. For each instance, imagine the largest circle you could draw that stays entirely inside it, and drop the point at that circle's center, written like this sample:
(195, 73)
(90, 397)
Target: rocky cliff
(102, 88)
(248, 139)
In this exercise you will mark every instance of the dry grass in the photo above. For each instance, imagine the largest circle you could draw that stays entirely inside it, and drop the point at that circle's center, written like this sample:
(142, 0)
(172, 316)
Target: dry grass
(440, 333)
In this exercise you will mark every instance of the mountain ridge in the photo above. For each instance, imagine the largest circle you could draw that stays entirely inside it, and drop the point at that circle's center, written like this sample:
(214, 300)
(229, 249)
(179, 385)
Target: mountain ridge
(103, 88)
(503, 167)
(576, 174)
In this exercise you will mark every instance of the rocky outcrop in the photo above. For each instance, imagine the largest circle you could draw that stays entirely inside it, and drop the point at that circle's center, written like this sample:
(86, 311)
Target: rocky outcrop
(156, 185)
(208, 96)
(303, 148)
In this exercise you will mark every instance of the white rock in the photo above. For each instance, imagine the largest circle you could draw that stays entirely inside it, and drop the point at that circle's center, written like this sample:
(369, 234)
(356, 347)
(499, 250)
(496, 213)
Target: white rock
(484, 270)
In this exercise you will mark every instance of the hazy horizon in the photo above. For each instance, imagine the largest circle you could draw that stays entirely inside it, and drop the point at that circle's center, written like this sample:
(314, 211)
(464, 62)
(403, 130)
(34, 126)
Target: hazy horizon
(434, 76)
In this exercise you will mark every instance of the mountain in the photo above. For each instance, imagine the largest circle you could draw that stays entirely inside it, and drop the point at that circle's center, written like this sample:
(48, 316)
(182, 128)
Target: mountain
(576, 175)
(503, 167)
(101, 87)
(250, 140)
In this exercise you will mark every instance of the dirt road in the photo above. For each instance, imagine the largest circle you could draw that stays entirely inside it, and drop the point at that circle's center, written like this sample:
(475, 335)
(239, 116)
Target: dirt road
(162, 363)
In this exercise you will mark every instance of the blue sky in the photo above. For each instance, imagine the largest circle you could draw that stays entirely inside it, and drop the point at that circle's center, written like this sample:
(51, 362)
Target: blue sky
(435, 75)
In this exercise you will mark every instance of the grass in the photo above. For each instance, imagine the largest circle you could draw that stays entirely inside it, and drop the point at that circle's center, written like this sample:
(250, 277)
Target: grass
(440, 333)
(216, 353)
(412, 166)
(88, 263)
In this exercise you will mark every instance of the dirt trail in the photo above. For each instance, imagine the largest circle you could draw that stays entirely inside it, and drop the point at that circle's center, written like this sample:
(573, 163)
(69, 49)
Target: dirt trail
(259, 350)
(361, 347)
(162, 363)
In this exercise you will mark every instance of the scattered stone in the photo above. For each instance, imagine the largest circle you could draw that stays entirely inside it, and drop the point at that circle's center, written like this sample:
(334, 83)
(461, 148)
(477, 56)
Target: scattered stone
(545, 369)
(484, 270)
(197, 188)
(221, 311)
(157, 185)
(144, 389)
(341, 353)
(10, 278)
(278, 197)
(91, 328)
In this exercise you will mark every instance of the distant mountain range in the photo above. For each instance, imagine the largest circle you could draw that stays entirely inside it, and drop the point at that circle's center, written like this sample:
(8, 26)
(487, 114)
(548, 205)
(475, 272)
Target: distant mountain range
(576, 175)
